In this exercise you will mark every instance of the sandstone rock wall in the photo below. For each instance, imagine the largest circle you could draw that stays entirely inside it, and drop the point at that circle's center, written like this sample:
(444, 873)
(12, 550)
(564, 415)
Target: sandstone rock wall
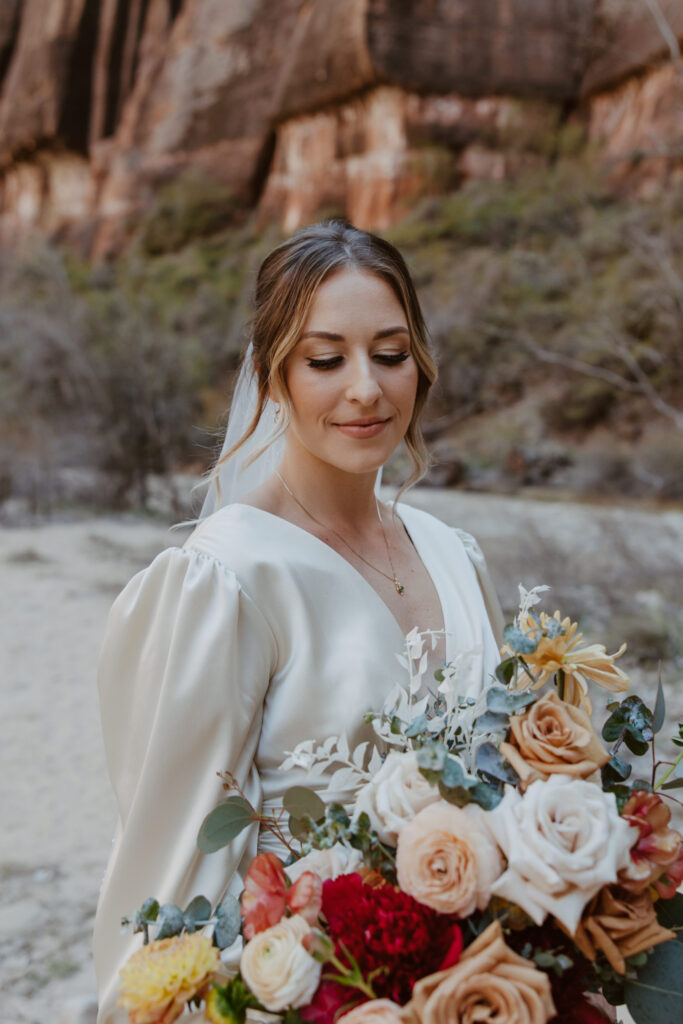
(306, 104)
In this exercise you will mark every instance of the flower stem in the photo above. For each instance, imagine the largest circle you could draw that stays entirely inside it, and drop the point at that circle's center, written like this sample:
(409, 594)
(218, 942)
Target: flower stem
(669, 772)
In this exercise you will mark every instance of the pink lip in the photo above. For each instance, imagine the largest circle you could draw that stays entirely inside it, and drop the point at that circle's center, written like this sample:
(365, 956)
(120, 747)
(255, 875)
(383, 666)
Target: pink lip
(362, 428)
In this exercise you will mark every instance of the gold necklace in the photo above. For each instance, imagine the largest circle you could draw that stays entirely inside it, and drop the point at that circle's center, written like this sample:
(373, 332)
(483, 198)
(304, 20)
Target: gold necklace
(400, 589)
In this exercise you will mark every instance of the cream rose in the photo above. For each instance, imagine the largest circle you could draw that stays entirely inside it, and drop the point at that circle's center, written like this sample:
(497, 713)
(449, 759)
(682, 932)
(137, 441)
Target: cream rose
(563, 841)
(337, 860)
(375, 1011)
(277, 968)
(553, 738)
(490, 982)
(395, 795)
(446, 859)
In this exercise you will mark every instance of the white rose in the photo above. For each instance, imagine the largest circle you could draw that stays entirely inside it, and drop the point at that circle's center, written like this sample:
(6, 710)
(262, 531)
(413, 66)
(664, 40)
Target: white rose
(563, 840)
(338, 860)
(277, 968)
(395, 795)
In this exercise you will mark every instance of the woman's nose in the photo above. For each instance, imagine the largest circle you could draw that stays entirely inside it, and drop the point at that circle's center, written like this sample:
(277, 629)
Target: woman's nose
(363, 386)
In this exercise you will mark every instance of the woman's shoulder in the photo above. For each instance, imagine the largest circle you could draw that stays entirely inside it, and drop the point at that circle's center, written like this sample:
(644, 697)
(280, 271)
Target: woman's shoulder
(418, 519)
(234, 533)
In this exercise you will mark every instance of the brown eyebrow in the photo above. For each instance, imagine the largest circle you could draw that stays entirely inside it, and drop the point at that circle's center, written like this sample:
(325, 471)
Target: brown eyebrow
(331, 336)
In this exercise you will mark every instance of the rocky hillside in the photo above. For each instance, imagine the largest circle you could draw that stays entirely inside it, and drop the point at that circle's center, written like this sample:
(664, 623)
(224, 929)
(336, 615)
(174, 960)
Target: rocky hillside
(293, 106)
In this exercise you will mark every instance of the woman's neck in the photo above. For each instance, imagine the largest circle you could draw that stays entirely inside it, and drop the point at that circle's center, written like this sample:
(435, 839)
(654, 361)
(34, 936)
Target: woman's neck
(341, 500)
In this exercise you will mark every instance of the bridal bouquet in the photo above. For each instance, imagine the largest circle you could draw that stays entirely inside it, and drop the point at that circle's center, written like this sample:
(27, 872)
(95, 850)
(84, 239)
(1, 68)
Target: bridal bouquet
(499, 862)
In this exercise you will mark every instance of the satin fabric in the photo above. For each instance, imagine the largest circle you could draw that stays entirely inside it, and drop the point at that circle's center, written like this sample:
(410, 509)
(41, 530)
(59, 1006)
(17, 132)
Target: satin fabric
(224, 654)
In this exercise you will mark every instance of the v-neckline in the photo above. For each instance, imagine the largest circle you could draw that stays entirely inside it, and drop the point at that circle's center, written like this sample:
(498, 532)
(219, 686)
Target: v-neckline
(434, 576)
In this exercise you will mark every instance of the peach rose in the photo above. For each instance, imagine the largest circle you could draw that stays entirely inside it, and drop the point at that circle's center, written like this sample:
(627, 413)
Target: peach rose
(277, 968)
(490, 982)
(375, 1011)
(551, 738)
(447, 860)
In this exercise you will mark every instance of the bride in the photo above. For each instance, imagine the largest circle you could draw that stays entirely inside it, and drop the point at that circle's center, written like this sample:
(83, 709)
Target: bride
(280, 618)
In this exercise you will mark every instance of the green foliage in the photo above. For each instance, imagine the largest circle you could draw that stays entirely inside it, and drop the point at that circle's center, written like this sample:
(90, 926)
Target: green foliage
(656, 993)
(190, 207)
(231, 1001)
(224, 824)
(632, 722)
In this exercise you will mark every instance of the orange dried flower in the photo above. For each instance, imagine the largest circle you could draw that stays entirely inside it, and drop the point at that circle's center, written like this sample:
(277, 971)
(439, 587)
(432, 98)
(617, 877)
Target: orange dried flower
(578, 661)
(620, 924)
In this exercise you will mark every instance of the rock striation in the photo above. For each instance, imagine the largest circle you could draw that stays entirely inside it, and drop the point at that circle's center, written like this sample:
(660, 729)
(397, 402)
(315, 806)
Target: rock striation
(298, 106)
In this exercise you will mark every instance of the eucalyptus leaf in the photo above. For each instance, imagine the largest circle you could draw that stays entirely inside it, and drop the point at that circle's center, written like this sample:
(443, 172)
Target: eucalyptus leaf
(492, 721)
(517, 639)
(506, 670)
(656, 994)
(223, 824)
(431, 759)
(301, 802)
(673, 784)
(635, 745)
(505, 702)
(170, 921)
(149, 910)
(297, 829)
(485, 795)
(228, 921)
(659, 713)
(453, 774)
(491, 762)
(197, 913)
(417, 726)
(670, 913)
(615, 771)
(460, 796)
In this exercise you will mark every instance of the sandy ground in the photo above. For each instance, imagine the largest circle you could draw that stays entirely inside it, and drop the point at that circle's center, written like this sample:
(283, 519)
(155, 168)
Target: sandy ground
(58, 815)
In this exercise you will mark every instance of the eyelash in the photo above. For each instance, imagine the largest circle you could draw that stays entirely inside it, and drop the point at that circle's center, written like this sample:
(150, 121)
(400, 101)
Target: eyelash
(330, 364)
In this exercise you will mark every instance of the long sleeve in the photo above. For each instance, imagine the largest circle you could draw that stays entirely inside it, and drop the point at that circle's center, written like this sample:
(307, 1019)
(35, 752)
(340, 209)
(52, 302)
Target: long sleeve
(184, 670)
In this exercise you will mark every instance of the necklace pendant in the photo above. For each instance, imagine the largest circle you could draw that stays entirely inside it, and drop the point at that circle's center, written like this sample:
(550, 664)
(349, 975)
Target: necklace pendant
(399, 587)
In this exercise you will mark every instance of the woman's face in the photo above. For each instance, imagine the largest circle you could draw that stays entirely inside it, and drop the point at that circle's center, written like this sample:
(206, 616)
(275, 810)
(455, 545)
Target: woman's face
(352, 378)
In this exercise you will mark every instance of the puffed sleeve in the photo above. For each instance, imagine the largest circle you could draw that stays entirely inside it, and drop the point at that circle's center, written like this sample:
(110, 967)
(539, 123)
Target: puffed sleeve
(476, 557)
(184, 669)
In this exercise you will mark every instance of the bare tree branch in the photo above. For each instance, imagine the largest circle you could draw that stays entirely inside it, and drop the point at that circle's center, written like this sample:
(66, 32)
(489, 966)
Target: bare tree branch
(641, 385)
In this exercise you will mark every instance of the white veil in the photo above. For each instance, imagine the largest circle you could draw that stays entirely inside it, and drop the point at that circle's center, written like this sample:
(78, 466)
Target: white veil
(233, 479)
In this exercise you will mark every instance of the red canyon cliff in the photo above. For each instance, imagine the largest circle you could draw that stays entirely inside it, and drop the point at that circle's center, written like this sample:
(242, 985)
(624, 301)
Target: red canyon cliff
(297, 106)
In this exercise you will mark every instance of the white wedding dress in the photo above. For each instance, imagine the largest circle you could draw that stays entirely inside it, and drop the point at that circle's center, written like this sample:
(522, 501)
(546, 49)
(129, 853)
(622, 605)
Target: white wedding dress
(222, 655)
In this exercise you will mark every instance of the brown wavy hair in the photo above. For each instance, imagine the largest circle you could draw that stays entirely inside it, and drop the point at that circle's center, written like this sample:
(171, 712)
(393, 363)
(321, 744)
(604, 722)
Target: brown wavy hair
(285, 287)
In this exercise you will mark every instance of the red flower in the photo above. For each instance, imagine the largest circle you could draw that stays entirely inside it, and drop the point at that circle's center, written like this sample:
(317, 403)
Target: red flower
(386, 931)
(573, 1006)
(581, 1013)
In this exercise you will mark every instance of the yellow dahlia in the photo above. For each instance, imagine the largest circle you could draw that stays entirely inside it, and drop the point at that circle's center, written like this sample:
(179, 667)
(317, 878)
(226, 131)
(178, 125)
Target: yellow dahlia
(579, 661)
(158, 980)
